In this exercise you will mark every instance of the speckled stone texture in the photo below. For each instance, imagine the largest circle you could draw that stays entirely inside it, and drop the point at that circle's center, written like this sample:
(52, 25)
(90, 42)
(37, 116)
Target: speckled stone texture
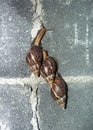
(15, 36)
(15, 109)
(77, 116)
(70, 42)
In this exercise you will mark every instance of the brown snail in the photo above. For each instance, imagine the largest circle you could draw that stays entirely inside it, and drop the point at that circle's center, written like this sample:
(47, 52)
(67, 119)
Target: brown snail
(41, 63)
(34, 57)
(59, 91)
(49, 68)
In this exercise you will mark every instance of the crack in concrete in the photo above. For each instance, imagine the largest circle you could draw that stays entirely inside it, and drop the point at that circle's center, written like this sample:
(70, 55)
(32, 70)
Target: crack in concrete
(34, 98)
(35, 6)
(37, 106)
(34, 105)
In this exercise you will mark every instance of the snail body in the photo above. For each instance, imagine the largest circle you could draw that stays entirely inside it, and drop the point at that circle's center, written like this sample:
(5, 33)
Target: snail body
(59, 91)
(34, 57)
(48, 68)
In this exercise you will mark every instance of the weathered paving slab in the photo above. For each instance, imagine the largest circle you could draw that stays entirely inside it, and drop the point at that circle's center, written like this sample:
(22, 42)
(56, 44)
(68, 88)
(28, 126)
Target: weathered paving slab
(71, 44)
(77, 116)
(71, 40)
(15, 34)
(15, 108)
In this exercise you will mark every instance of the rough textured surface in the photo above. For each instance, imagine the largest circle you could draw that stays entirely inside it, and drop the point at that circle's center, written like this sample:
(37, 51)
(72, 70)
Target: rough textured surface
(23, 108)
(71, 44)
(71, 41)
(77, 116)
(15, 34)
(15, 109)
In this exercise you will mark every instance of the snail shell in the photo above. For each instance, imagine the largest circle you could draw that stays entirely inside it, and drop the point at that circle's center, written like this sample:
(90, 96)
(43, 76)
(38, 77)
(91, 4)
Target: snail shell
(48, 68)
(34, 57)
(59, 91)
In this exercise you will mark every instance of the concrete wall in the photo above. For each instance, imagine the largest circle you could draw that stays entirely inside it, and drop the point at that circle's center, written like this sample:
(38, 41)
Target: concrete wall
(25, 101)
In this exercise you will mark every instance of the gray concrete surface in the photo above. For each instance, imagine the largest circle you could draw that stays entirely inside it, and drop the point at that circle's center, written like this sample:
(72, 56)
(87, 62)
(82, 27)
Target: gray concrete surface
(15, 109)
(71, 44)
(77, 116)
(71, 41)
(25, 101)
(15, 34)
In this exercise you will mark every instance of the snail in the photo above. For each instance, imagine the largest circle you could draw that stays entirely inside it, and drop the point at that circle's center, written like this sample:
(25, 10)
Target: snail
(49, 68)
(59, 91)
(41, 63)
(34, 57)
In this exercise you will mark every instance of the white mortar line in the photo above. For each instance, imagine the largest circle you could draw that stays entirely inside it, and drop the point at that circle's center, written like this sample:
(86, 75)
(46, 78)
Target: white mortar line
(76, 34)
(37, 16)
(32, 80)
(33, 101)
(87, 42)
(79, 79)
